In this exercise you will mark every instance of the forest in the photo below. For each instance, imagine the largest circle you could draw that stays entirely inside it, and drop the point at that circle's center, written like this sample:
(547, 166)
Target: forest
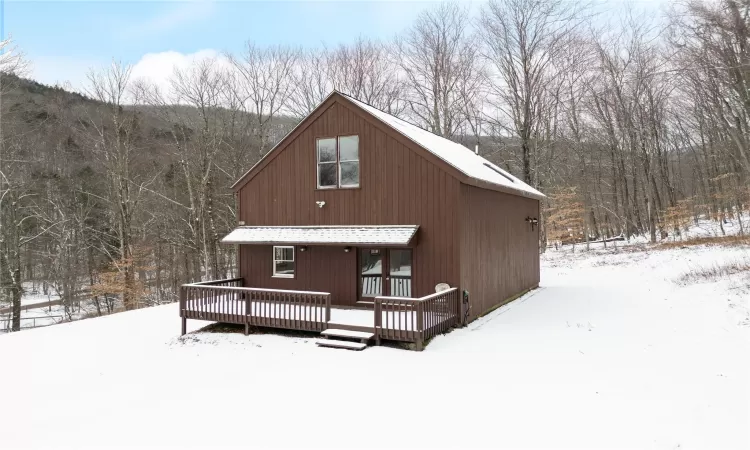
(633, 124)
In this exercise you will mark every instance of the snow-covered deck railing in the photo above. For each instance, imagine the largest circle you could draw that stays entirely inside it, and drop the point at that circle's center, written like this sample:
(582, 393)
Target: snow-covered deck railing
(416, 319)
(229, 282)
(394, 318)
(296, 310)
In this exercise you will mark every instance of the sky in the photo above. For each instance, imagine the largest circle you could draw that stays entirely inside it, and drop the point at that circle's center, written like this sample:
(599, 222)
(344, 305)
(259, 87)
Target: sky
(64, 40)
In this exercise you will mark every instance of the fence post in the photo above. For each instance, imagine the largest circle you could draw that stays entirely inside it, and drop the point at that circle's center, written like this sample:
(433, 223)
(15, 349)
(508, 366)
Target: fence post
(182, 309)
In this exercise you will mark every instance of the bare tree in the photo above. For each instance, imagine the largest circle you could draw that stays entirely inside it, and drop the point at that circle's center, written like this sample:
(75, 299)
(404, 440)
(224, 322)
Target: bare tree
(439, 58)
(261, 84)
(523, 39)
(114, 138)
(312, 82)
(367, 70)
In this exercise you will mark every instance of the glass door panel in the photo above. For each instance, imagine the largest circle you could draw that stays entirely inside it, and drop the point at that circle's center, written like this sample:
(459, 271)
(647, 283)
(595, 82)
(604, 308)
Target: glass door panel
(371, 273)
(400, 262)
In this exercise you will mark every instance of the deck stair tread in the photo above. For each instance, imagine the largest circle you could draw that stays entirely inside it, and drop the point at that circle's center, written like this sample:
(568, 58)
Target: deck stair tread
(335, 332)
(334, 343)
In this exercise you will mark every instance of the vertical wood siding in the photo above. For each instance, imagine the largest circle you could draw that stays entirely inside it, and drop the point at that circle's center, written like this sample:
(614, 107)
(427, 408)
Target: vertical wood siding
(397, 187)
(499, 250)
(322, 269)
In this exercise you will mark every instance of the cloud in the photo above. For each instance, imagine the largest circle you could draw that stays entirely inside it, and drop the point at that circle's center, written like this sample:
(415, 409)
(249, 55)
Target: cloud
(157, 68)
(154, 68)
(175, 15)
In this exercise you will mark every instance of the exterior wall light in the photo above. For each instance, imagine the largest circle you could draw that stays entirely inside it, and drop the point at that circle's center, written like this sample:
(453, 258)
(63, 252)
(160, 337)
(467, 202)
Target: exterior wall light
(347, 249)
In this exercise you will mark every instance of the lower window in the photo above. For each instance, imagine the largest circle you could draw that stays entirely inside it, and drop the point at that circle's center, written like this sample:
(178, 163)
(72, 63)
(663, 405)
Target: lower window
(283, 262)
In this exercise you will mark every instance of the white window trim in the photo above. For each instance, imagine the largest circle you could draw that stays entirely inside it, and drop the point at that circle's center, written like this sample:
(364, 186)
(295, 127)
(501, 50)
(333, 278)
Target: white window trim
(338, 157)
(318, 163)
(337, 164)
(283, 275)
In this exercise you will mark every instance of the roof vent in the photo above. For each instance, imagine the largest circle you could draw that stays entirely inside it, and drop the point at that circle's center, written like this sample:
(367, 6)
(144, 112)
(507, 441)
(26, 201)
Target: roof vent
(490, 166)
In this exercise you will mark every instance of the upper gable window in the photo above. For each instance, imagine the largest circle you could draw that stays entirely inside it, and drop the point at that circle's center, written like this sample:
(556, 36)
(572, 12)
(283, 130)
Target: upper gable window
(338, 162)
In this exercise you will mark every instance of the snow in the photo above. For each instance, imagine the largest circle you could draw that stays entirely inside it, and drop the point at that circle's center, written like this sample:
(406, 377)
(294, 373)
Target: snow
(32, 294)
(347, 333)
(612, 351)
(453, 153)
(712, 228)
(343, 235)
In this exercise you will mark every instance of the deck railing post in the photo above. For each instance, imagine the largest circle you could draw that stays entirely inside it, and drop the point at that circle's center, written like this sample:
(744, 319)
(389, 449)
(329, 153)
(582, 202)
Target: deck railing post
(183, 290)
(378, 316)
(420, 324)
(328, 308)
(420, 315)
(248, 311)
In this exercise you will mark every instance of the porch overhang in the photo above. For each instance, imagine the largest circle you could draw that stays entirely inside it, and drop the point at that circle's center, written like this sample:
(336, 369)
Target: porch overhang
(340, 235)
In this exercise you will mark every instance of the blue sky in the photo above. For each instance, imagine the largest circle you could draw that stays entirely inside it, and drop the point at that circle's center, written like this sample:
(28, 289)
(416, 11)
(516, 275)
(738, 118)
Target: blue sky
(62, 39)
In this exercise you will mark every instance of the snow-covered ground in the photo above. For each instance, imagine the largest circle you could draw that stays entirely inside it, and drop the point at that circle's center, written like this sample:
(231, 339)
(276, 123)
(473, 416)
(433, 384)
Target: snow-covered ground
(615, 350)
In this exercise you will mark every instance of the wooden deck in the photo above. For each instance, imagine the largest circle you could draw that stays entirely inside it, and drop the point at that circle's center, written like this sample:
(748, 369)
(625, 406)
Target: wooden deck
(392, 318)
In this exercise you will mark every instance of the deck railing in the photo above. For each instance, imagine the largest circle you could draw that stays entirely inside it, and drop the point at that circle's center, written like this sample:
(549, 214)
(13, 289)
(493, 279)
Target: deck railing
(228, 282)
(226, 301)
(416, 319)
(295, 310)
(395, 318)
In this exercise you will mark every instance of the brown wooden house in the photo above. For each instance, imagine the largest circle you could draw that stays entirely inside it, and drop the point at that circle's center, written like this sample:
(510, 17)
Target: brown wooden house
(355, 219)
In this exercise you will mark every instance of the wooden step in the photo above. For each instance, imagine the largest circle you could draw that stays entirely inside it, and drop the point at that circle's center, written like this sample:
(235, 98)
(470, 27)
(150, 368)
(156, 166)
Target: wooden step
(334, 343)
(360, 335)
(344, 326)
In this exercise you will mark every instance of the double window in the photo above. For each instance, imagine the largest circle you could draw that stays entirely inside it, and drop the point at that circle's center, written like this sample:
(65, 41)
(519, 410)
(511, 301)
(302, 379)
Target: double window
(338, 162)
(283, 262)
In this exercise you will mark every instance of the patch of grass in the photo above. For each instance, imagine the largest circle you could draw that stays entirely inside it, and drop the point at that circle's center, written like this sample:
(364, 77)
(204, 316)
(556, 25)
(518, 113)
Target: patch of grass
(706, 240)
(715, 271)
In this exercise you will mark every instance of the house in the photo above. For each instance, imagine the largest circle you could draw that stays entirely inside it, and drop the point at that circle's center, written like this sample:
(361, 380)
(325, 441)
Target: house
(361, 223)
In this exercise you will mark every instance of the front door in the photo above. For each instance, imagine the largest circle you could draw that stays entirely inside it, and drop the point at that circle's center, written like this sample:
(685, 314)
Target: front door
(384, 272)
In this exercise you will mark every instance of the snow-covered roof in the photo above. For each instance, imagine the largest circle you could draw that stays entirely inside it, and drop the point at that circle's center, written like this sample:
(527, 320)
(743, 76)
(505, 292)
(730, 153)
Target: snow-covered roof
(455, 154)
(340, 235)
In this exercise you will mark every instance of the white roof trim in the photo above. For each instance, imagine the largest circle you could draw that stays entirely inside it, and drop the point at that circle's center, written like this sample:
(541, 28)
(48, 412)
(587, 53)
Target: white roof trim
(330, 235)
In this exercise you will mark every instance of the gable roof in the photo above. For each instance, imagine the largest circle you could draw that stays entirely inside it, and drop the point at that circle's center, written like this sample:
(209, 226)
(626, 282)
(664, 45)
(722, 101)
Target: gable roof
(472, 168)
(457, 155)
